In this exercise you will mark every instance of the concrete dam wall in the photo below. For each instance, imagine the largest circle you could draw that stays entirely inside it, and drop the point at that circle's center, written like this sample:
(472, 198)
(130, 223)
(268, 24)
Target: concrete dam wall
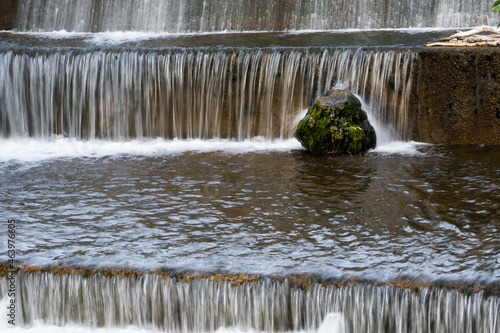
(456, 96)
(454, 92)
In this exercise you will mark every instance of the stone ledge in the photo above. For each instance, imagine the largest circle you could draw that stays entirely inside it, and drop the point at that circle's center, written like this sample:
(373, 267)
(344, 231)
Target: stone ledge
(296, 281)
(8, 14)
(456, 96)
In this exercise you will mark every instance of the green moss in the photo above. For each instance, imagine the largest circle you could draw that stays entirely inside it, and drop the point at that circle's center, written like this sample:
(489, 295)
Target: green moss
(354, 139)
(336, 124)
(302, 281)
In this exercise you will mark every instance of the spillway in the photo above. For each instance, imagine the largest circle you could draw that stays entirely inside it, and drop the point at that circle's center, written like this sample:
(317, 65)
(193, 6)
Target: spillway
(151, 181)
(221, 15)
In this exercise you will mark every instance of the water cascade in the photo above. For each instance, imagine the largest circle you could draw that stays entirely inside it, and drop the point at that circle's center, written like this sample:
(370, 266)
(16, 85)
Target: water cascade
(361, 223)
(239, 15)
(207, 304)
(221, 93)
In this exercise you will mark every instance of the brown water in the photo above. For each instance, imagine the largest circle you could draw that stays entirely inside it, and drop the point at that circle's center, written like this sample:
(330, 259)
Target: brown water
(433, 212)
(176, 152)
(156, 41)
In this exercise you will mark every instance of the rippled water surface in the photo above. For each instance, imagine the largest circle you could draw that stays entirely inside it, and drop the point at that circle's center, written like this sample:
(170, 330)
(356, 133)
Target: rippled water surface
(434, 213)
(63, 40)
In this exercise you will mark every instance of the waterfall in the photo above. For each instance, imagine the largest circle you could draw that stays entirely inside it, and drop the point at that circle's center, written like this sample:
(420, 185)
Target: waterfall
(203, 305)
(239, 15)
(126, 91)
(192, 93)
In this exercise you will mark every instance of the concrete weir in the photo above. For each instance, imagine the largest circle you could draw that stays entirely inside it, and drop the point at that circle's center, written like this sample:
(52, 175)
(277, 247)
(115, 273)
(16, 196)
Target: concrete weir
(7, 14)
(192, 302)
(456, 96)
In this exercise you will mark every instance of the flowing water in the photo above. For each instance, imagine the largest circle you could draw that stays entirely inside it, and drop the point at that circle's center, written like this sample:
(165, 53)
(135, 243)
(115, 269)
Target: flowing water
(262, 306)
(278, 210)
(132, 143)
(239, 15)
(191, 93)
(425, 213)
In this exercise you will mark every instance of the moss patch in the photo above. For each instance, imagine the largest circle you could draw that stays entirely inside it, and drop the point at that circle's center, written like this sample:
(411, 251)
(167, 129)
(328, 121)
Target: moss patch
(294, 281)
(336, 124)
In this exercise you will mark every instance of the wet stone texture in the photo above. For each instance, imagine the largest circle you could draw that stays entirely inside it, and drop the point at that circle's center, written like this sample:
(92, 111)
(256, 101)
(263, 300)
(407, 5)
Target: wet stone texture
(7, 14)
(336, 124)
(456, 99)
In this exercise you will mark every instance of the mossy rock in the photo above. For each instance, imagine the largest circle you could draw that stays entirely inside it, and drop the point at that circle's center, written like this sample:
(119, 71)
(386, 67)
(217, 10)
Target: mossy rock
(336, 124)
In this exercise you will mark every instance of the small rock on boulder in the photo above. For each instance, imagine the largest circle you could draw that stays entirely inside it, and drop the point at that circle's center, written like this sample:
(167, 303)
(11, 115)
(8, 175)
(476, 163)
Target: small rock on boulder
(336, 124)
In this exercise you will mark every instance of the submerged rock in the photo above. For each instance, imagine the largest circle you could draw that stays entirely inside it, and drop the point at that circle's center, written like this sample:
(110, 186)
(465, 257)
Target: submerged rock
(336, 124)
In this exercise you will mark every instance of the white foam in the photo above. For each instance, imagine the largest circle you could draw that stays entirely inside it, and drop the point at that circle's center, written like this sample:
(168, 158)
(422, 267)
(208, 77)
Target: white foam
(32, 150)
(40, 327)
(334, 322)
(36, 150)
(400, 147)
(123, 36)
(55, 34)
(119, 37)
(101, 38)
